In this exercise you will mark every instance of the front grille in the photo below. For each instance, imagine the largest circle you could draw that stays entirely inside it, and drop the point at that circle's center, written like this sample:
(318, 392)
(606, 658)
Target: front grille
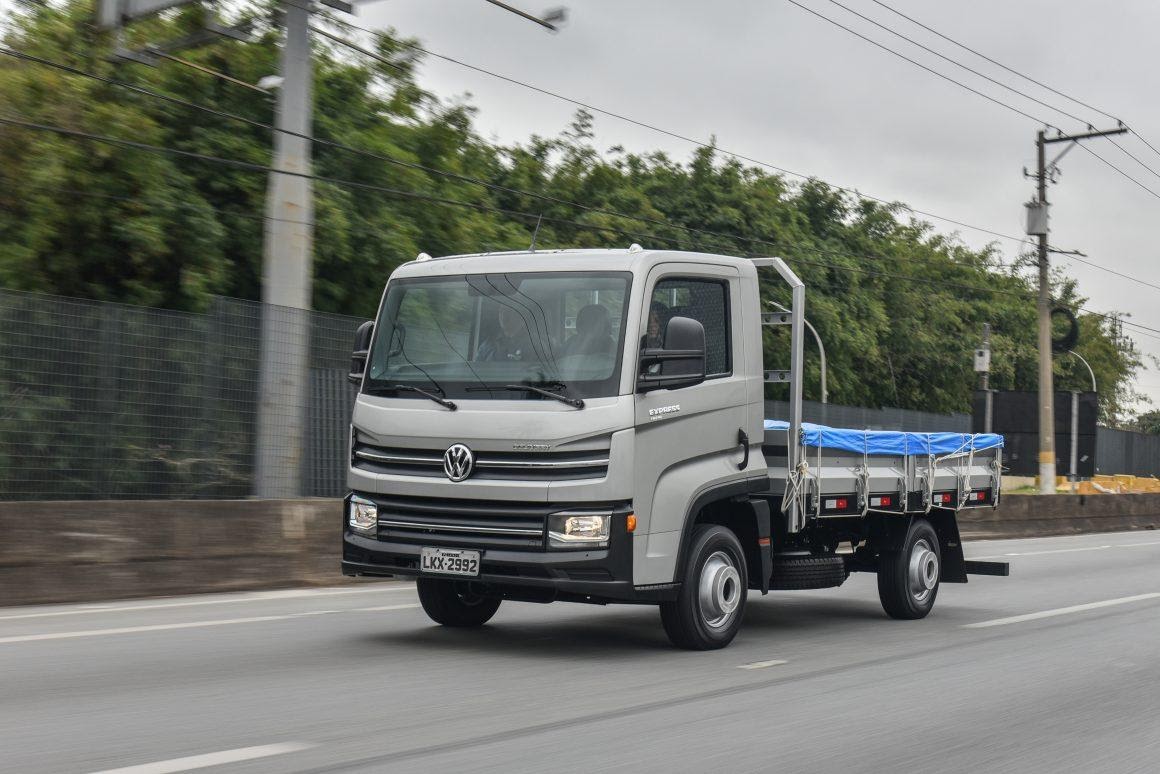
(489, 465)
(463, 523)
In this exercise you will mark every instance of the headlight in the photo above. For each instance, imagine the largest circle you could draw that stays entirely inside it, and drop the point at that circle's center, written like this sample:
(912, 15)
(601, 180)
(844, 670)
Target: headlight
(578, 529)
(362, 514)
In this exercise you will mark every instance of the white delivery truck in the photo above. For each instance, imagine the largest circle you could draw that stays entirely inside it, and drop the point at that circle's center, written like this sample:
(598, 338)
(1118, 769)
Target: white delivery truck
(589, 426)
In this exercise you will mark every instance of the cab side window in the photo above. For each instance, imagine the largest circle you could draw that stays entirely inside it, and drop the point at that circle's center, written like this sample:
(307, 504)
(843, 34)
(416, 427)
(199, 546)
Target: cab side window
(704, 300)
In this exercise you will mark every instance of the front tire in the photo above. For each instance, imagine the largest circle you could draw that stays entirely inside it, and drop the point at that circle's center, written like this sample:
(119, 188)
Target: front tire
(455, 603)
(707, 612)
(908, 580)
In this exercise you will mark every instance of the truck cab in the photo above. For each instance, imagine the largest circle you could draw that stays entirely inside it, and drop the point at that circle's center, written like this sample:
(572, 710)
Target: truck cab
(588, 426)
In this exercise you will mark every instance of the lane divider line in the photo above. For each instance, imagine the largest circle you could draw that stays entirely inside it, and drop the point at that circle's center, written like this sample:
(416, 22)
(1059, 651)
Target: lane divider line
(1064, 550)
(763, 664)
(380, 608)
(1062, 611)
(265, 596)
(158, 627)
(221, 758)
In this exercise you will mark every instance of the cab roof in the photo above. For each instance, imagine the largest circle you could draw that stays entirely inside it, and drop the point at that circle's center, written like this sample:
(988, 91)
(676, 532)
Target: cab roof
(635, 259)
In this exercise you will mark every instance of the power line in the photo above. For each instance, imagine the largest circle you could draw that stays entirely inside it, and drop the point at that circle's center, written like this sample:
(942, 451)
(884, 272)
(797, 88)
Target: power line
(1013, 71)
(403, 193)
(918, 64)
(1132, 157)
(1112, 271)
(965, 47)
(1118, 170)
(387, 158)
(515, 213)
(968, 88)
(256, 167)
(457, 176)
(383, 60)
(957, 63)
(156, 203)
(378, 156)
(654, 128)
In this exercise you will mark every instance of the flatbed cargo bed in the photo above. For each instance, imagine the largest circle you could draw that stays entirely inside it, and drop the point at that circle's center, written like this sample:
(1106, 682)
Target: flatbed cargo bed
(847, 472)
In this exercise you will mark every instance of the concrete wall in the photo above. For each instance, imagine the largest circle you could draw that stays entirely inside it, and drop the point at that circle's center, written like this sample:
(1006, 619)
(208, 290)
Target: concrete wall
(92, 551)
(1033, 515)
(97, 550)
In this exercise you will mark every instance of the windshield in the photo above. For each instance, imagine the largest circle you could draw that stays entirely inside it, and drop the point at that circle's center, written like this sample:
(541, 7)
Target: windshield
(471, 335)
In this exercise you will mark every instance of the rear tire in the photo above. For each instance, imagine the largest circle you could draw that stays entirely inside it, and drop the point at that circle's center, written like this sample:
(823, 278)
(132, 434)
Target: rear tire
(455, 603)
(908, 580)
(707, 612)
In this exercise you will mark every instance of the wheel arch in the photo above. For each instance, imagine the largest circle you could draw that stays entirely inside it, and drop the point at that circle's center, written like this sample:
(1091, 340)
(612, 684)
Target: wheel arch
(729, 506)
(888, 533)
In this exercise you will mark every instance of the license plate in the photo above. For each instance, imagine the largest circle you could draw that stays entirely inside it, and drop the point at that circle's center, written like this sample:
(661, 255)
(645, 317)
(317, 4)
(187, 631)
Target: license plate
(449, 561)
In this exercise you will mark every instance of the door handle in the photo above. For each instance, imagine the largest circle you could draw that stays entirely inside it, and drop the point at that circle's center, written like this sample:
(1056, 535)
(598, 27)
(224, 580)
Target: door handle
(743, 439)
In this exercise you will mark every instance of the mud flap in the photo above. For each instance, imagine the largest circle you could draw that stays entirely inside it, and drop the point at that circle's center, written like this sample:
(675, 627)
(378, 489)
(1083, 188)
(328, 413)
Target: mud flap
(764, 541)
(954, 565)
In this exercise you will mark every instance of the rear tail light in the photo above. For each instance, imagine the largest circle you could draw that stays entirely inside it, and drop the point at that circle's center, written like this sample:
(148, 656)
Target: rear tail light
(883, 501)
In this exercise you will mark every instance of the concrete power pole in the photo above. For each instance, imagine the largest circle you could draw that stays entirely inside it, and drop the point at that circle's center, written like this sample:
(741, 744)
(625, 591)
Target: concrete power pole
(1046, 377)
(1037, 224)
(283, 388)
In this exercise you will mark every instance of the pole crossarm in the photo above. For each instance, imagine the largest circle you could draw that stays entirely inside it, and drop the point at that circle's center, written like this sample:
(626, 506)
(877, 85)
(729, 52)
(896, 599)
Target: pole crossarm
(1085, 135)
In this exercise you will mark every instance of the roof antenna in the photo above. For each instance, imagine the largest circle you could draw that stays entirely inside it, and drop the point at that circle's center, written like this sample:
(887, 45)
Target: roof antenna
(536, 233)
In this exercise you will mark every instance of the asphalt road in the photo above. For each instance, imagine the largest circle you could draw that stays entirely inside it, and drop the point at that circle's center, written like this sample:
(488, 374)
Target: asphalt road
(1056, 668)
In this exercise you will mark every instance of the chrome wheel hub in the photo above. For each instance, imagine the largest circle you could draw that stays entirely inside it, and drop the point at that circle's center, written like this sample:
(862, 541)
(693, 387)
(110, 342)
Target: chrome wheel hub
(719, 590)
(923, 571)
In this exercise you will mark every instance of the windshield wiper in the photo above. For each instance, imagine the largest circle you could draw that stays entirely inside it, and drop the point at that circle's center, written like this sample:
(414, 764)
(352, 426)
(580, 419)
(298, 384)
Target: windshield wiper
(437, 398)
(538, 389)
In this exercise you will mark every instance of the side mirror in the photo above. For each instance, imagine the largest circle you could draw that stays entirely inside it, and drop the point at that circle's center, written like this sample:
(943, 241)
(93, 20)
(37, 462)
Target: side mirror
(679, 363)
(362, 345)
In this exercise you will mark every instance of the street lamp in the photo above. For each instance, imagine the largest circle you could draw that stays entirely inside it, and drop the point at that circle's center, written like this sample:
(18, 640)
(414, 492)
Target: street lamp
(821, 349)
(1089, 367)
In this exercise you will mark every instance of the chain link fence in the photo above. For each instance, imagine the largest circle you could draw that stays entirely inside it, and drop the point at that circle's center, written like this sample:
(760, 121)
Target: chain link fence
(108, 401)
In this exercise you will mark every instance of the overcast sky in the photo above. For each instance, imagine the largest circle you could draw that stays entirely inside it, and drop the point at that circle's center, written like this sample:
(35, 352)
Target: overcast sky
(774, 82)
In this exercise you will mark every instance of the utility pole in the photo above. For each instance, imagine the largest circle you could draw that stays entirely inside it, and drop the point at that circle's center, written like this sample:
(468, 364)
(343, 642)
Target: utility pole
(1037, 224)
(283, 388)
(1046, 381)
(983, 366)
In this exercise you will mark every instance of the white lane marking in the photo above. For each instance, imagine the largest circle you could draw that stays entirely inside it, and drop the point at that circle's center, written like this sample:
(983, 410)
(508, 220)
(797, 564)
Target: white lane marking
(762, 664)
(1062, 611)
(1064, 550)
(212, 759)
(384, 607)
(264, 596)
(158, 627)
(1056, 551)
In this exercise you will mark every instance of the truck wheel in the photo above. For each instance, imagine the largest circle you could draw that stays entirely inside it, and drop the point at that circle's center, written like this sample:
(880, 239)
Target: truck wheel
(908, 579)
(455, 603)
(711, 603)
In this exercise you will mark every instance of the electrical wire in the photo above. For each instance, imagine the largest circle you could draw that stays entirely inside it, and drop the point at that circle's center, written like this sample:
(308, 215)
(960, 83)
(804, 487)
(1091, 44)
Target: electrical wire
(957, 63)
(981, 55)
(407, 194)
(464, 178)
(452, 202)
(920, 65)
(650, 127)
(1132, 156)
(379, 156)
(1118, 170)
(1013, 71)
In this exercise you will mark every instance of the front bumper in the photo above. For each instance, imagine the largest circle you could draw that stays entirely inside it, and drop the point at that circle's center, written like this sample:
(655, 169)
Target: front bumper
(596, 576)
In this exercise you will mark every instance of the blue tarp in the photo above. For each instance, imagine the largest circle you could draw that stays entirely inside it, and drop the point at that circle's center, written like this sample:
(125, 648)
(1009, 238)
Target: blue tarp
(890, 441)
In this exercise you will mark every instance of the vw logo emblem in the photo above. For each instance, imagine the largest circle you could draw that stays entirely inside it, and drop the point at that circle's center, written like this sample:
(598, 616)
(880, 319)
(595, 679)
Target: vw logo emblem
(458, 462)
